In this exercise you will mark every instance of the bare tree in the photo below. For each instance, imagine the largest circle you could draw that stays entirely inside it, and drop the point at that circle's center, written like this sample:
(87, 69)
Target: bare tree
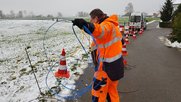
(145, 14)
(129, 9)
(82, 14)
(24, 13)
(155, 14)
(1, 14)
(50, 16)
(20, 14)
(31, 14)
(39, 16)
(59, 15)
(12, 14)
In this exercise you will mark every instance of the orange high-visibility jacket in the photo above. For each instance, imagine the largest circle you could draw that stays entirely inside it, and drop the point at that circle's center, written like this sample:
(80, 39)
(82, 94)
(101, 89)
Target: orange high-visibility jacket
(108, 39)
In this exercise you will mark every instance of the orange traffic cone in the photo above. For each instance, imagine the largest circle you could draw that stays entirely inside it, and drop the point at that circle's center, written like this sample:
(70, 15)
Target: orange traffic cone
(121, 28)
(134, 29)
(125, 62)
(62, 71)
(134, 36)
(127, 36)
(126, 32)
(130, 30)
(126, 39)
(124, 51)
(141, 31)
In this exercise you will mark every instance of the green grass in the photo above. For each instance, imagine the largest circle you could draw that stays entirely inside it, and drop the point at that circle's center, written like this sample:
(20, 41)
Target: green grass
(151, 19)
(123, 20)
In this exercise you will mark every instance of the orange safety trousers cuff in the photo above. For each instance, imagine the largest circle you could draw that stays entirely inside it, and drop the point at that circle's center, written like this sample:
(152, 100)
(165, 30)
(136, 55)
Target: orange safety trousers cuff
(103, 86)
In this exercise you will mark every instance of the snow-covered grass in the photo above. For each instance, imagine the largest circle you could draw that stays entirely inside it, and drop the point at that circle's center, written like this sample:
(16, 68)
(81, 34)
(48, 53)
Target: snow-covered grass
(17, 82)
(168, 43)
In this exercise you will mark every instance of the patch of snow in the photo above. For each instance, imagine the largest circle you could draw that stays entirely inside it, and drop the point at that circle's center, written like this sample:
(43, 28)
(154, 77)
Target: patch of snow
(158, 27)
(17, 82)
(168, 43)
(176, 44)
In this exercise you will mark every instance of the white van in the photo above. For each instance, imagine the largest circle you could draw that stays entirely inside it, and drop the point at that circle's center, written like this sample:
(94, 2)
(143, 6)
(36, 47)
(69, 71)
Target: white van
(138, 20)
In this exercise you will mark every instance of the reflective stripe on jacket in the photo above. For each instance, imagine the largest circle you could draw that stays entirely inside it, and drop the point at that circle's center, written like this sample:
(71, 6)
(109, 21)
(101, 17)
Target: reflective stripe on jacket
(108, 39)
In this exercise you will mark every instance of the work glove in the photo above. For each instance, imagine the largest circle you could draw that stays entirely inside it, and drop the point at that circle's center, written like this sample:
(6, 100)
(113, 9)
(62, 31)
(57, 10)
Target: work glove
(80, 23)
(99, 83)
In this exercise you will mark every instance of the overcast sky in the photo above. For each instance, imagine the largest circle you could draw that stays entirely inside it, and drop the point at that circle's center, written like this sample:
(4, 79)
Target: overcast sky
(71, 7)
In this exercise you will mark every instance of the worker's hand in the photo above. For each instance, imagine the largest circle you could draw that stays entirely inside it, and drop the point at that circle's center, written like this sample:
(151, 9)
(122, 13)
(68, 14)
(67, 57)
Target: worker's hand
(79, 22)
(99, 83)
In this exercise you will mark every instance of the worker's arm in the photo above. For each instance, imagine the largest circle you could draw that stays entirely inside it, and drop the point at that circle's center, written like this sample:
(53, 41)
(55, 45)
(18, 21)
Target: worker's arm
(101, 30)
(98, 31)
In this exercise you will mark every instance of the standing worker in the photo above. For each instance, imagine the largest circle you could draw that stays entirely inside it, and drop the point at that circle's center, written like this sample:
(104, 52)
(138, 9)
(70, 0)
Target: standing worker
(107, 55)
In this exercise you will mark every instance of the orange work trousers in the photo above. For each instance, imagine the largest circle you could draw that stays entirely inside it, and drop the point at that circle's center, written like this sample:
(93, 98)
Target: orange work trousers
(104, 89)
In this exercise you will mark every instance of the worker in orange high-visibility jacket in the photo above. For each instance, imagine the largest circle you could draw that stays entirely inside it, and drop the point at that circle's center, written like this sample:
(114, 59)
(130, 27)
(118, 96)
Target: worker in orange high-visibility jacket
(107, 54)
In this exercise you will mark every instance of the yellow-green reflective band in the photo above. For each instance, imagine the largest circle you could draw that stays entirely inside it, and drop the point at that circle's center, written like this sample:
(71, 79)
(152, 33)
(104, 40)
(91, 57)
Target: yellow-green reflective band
(111, 59)
(102, 34)
(116, 39)
(114, 33)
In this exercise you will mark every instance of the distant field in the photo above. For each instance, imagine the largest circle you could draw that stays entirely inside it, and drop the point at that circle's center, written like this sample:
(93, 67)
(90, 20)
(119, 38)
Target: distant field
(151, 19)
(126, 19)
(121, 20)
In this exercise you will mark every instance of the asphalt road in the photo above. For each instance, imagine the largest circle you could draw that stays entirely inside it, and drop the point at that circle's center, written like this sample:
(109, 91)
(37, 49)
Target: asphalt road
(154, 71)
(157, 75)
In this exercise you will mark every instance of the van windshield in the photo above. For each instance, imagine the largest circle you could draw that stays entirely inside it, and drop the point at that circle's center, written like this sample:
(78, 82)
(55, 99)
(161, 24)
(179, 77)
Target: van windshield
(135, 18)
